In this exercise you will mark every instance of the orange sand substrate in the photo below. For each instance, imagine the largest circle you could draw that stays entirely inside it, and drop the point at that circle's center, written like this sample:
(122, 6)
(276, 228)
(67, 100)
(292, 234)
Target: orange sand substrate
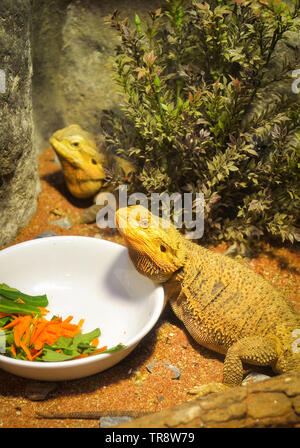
(129, 385)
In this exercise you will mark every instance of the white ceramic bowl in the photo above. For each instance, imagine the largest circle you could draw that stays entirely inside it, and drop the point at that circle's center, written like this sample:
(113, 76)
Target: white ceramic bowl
(85, 278)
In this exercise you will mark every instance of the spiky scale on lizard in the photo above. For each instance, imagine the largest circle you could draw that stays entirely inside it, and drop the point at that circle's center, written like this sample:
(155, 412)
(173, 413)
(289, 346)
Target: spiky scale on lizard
(224, 305)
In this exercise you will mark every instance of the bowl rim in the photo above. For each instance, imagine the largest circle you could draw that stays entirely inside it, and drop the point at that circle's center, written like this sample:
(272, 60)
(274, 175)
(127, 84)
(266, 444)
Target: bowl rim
(159, 304)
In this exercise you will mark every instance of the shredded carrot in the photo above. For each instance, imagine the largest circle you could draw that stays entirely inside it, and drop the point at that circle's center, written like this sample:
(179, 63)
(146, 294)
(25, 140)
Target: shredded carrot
(41, 324)
(27, 333)
(26, 350)
(4, 314)
(69, 334)
(21, 328)
(84, 355)
(102, 349)
(80, 323)
(32, 333)
(95, 342)
(44, 311)
(37, 354)
(20, 300)
(12, 323)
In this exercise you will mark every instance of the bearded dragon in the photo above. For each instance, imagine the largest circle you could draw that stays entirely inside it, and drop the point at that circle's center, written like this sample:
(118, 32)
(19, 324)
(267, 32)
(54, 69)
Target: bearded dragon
(224, 305)
(85, 165)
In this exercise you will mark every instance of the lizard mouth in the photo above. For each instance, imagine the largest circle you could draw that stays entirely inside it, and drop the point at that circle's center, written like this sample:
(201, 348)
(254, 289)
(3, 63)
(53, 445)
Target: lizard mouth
(143, 240)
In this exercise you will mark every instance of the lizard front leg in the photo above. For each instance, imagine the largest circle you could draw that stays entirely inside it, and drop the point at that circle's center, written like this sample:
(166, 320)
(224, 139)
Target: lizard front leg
(255, 350)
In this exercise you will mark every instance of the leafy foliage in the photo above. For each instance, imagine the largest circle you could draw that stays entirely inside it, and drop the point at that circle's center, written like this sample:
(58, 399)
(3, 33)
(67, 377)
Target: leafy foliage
(208, 107)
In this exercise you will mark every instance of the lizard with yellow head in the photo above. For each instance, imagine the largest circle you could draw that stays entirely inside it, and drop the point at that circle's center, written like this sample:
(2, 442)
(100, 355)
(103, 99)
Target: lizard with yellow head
(225, 306)
(85, 165)
(82, 164)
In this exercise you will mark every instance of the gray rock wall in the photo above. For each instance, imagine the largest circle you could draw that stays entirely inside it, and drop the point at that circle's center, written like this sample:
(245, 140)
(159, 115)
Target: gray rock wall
(72, 49)
(55, 70)
(19, 183)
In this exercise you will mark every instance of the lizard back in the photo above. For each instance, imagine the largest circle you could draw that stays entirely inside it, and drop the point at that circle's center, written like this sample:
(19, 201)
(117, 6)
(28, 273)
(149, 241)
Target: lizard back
(221, 301)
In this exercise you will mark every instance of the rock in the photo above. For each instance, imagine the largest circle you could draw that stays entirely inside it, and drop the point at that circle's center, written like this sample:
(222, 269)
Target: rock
(254, 377)
(19, 181)
(38, 391)
(64, 223)
(89, 215)
(174, 369)
(73, 79)
(45, 234)
(58, 212)
(106, 422)
(266, 404)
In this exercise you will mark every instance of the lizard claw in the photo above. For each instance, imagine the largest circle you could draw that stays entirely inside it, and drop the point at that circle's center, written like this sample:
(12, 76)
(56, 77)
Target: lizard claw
(205, 389)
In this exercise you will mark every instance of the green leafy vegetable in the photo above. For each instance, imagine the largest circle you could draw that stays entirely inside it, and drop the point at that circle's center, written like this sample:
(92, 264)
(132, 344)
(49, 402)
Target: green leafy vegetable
(114, 349)
(14, 294)
(4, 321)
(35, 338)
(73, 347)
(50, 355)
(12, 307)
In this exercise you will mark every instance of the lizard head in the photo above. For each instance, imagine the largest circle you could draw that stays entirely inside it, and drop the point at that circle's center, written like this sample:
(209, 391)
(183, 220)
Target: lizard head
(81, 162)
(155, 246)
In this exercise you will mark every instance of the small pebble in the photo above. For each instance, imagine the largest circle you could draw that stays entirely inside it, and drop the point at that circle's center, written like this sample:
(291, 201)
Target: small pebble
(174, 369)
(64, 223)
(45, 234)
(106, 422)
(254, 377)
(57, 212)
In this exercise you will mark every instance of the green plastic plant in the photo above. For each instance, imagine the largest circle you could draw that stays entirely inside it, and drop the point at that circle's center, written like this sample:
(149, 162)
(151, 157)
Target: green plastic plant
(208, 107)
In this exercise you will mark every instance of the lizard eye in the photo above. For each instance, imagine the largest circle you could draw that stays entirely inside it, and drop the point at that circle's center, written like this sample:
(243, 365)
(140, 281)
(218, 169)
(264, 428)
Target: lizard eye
(75, 143)
(163, 248)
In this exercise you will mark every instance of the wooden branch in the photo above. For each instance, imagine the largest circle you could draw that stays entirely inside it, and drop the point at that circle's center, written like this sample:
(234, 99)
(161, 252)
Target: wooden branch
(271, 403)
